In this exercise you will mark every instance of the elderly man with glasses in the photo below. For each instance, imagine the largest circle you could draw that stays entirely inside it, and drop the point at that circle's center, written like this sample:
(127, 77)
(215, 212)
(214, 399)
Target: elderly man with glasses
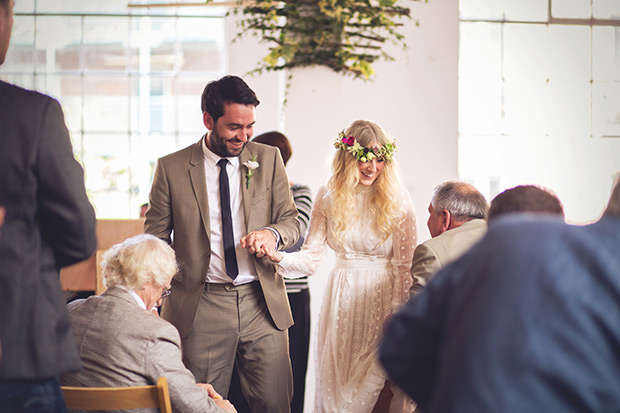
(122, 343)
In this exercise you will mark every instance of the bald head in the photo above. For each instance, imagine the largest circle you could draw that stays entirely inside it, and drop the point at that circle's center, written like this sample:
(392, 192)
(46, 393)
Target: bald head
(525, 198)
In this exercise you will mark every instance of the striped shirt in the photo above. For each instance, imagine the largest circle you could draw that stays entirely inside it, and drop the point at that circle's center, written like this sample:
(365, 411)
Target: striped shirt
(303, 202)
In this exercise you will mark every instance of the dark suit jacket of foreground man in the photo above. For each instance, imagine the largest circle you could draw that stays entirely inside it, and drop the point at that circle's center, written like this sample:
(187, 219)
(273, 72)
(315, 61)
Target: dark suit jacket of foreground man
(179, 204)
(527, 321)
(122, 344)
(49, 224)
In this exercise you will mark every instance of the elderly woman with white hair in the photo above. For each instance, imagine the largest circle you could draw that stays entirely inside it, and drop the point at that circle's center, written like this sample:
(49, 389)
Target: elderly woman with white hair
(121, 343)
(143, 266)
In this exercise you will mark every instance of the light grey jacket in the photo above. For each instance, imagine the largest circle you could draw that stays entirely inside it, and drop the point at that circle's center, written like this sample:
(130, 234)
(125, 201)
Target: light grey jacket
(435, 253)
(121, 344)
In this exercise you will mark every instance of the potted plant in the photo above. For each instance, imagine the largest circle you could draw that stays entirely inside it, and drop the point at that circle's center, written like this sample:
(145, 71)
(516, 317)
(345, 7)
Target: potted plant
(345, 35)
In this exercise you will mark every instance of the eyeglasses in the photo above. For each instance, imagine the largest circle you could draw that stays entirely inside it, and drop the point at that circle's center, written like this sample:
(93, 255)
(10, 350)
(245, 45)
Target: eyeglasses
(165, 293)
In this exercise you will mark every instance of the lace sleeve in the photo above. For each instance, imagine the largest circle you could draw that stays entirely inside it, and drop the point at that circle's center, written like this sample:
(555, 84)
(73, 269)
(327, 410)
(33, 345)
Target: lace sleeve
(306, 261)
(404, 242)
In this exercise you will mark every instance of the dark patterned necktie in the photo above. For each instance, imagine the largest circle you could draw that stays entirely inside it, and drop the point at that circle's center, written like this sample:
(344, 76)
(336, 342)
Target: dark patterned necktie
(230, 256)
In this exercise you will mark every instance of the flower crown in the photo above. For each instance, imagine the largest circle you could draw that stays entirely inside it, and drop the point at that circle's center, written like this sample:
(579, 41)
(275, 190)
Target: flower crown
(362, 153)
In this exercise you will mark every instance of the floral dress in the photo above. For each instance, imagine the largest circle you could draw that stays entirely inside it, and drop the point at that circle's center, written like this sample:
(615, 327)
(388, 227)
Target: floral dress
(371, 279)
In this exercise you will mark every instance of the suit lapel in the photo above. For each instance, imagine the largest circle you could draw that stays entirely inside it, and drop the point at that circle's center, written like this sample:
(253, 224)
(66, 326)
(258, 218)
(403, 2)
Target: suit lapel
(199, 184)
(248, 193)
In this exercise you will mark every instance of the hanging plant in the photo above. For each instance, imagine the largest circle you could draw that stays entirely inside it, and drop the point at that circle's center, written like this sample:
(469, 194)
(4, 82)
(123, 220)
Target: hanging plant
(347, 36)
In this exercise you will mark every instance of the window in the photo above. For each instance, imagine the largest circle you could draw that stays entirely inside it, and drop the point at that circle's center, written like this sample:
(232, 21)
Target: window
(539, 98)
(129, 81)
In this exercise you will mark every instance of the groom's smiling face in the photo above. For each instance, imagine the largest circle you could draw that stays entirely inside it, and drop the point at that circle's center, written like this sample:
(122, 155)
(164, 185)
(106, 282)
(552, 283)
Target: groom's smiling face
(231, 132)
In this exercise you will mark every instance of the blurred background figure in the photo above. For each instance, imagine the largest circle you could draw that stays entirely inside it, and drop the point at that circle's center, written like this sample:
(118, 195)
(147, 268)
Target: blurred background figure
(143, 209)
(297, 291)
(526, 321)
(525, 199)
(121, 343)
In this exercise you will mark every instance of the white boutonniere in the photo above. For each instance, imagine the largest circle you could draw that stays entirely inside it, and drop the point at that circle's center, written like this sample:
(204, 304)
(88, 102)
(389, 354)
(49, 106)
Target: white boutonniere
(251, 165)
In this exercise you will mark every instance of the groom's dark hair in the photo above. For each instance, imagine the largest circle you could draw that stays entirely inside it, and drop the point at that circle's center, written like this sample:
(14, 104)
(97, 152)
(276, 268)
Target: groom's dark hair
(229, 89)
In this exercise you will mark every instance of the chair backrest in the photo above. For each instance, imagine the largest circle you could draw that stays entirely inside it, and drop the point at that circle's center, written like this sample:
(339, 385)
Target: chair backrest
(86, 275)
(119, 398)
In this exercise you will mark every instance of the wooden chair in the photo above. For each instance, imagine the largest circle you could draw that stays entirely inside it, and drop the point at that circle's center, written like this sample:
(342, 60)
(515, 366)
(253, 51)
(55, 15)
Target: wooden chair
(118, 398)
(86, 275)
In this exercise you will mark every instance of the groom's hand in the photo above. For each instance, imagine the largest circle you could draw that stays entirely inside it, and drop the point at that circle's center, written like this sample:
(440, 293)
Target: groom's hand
(259, 242)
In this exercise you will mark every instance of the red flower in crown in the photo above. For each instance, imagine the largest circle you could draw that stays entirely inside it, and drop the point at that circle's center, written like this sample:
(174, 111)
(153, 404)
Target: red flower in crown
(349, 141)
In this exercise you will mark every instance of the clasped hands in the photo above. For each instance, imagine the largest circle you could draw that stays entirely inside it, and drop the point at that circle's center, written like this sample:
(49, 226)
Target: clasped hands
(262, 243)
(219, 400)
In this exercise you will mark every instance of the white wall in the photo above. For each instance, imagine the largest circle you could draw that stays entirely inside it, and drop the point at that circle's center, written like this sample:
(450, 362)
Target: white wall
(414, 98)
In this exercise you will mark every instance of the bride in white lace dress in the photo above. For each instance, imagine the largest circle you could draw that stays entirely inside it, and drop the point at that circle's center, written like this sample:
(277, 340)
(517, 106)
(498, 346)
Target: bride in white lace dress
(366, 216)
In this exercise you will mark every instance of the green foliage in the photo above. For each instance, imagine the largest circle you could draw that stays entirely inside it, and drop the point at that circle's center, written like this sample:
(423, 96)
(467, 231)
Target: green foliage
(344, 35)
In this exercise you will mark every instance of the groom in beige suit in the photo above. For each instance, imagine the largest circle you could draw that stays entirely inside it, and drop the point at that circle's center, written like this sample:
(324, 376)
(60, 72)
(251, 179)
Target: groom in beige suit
(222, 203)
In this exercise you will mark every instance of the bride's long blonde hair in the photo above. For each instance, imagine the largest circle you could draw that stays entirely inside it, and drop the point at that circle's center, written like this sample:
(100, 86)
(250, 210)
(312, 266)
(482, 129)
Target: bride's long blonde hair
(384, 202)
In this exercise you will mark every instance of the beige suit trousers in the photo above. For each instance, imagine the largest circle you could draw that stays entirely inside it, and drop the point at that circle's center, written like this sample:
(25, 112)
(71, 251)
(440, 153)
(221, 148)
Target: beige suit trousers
(261, 350)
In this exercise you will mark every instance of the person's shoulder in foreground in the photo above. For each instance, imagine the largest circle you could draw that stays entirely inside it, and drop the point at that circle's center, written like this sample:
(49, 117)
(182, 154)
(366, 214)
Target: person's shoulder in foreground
(525, 321)
(49, 224)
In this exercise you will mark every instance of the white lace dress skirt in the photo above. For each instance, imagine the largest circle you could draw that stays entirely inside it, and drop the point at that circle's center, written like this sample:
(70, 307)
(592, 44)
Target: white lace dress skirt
(357, 300)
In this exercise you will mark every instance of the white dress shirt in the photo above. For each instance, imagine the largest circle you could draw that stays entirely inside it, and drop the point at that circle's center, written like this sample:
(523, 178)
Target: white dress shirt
(217, 266)
(133, 295)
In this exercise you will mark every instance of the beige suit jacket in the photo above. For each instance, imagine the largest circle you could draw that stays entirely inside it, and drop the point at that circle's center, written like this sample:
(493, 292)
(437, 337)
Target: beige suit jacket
(179, 214)
(437, 252)
(121, 344)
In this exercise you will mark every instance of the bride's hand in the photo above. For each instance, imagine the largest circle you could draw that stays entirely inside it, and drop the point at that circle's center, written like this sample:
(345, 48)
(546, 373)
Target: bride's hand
(273, 255)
